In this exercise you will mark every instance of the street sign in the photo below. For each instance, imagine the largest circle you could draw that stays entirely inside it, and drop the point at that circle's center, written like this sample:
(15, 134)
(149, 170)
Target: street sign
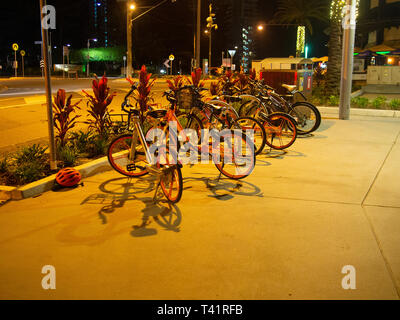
(232, 53)
(42, 63)
(15, 47)
(166, 63)
(22, 53)
(171, 57)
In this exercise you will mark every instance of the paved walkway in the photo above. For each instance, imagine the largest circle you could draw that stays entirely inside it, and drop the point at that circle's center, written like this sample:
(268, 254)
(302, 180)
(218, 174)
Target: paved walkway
(285, 232)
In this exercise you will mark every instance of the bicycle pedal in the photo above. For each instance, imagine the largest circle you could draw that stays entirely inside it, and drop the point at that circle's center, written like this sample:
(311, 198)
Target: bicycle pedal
(130, 167)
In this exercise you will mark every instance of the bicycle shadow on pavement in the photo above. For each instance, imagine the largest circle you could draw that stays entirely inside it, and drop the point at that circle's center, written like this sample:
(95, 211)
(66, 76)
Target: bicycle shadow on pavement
(116, 194)
(225, 189)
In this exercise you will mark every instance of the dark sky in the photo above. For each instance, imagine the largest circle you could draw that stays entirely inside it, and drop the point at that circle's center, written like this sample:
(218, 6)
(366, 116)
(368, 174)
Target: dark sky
(166, 29)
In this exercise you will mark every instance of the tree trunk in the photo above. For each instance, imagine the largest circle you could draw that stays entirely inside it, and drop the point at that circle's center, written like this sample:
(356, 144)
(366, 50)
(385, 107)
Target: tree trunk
(335, 59)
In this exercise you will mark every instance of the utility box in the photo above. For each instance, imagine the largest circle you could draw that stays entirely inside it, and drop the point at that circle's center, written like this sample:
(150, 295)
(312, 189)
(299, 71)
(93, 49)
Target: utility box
(383, 75)
(291, 71)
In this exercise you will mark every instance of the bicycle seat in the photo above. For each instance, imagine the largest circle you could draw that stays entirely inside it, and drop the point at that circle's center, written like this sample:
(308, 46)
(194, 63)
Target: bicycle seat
(290, 88)
(216, 109)
(233, 99)
(157, 114)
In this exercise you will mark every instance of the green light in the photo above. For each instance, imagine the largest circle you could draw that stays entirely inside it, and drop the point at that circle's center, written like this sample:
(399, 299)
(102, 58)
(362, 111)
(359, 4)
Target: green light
(383, 52)
(356, 53)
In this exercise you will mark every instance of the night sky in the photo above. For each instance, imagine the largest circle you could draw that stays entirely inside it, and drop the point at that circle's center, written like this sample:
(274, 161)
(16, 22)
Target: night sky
(166, 29)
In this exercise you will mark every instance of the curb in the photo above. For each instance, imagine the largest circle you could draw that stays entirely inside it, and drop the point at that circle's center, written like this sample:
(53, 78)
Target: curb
(334, 111)
(36, 188)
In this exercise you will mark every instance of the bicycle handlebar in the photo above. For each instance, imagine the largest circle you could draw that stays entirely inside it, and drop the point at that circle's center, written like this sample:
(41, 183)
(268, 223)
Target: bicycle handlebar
(124, 104)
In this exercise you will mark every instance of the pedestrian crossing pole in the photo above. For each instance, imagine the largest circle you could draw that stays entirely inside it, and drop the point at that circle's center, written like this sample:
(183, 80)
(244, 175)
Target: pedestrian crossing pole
(45, 48)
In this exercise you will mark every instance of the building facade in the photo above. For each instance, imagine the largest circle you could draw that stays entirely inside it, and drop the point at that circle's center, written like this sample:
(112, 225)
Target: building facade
(99, 22)
(379, 23)
(240, 18)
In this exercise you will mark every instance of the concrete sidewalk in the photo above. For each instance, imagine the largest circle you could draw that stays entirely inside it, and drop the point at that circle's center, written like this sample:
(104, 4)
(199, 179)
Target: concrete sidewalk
(285, 232)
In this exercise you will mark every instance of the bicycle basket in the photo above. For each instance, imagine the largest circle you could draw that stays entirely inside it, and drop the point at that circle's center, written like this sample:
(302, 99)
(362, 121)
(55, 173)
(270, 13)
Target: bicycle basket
(185, 99)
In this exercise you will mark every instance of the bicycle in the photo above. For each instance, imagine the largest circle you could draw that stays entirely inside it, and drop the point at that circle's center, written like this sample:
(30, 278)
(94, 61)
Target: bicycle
(130, 155)
(307, 116)
(232, 153)
(217, 114)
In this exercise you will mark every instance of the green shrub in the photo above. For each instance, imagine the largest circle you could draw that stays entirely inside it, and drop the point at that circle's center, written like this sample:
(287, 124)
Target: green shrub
(80, 141)
(98, 146)
(3, 165)
(379, 102)
(395, 104)
(67, 155)
(34, 153)
(333, 100)
(29, 171)
(360, 102)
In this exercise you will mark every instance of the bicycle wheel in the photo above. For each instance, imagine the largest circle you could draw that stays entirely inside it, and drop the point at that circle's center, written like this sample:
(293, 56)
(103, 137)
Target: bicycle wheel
(190, 121)
(118, 156)
(245, 108)
(235, 157)
(280, 131)
(257, 131)
(307, 116)
(171, 183)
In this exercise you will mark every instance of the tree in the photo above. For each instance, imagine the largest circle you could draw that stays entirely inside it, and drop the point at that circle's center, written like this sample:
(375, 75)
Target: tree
(301, 13)
(335, 47)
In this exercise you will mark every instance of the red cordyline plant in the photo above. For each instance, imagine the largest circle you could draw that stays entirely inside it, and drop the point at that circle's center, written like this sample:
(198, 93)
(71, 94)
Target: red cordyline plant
(215, 88)
(63, 119)
(242, 82)
(253, 74)
(98, 104)
(176, 84)
(142, 94)
(227, 82)
(196, 78)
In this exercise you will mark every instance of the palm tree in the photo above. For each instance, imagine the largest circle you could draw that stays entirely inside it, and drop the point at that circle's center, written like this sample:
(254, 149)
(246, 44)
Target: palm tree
(301, 13)
(335, 47)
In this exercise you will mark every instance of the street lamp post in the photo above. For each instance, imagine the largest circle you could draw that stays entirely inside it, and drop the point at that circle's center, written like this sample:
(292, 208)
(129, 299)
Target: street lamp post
(129, 11)
(88, 56)
(198, 34)
(210, 26)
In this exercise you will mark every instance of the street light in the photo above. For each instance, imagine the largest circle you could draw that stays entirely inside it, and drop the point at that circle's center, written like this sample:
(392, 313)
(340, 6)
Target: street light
(88, 46)
(260, 27)
(130, 8)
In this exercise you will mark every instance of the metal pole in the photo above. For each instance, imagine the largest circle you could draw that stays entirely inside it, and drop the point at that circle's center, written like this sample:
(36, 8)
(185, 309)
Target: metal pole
(52, 144)
(88, 57)
(23, 67)
(129, 41)
(63, 63)
(209, 54)
(15, 63)
(347, 63)
(198, 34)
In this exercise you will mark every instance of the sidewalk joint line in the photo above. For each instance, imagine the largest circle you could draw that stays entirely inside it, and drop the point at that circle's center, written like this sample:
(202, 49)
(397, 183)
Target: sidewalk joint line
(380, 169)
(385, 260)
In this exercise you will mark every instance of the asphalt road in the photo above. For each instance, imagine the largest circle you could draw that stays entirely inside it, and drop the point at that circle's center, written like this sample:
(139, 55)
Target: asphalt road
(30, 86)
(23, 115)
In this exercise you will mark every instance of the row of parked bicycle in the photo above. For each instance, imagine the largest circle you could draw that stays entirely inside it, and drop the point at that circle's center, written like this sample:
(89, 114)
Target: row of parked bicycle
(274, 120)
